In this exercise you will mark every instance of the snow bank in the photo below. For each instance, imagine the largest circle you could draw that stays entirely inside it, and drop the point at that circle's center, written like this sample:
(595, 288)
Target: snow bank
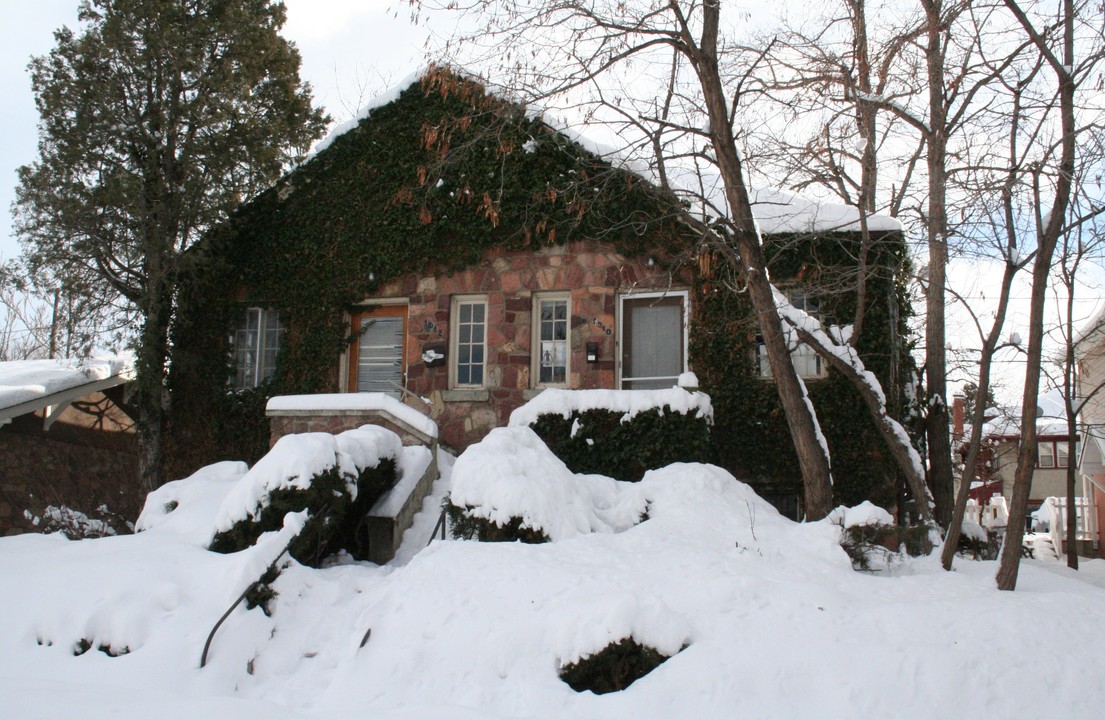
(554, 401)
(777, 623)
(25, 380)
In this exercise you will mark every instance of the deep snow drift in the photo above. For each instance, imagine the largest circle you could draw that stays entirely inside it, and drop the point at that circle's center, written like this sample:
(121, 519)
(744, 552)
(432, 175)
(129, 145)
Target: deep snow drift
(776, 622)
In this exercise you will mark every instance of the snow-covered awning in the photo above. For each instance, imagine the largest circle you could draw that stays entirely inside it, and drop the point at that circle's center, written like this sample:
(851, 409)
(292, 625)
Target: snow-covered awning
(30, 385)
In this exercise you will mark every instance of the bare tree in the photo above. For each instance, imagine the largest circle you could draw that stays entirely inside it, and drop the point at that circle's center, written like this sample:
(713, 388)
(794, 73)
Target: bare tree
(1068, 38)
(562, 47)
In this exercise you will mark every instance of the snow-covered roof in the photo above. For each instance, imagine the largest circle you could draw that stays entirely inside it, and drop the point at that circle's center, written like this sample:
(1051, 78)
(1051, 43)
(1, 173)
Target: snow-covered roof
(1051, 418)
(775, 211)
(1090, 334)
(29, 385)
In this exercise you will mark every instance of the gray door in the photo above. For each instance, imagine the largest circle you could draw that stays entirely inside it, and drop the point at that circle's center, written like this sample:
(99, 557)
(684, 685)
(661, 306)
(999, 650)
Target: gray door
(380, 355)
(652, 342)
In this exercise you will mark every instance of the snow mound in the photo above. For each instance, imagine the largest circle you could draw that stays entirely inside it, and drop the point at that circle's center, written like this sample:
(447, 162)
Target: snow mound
(554, 401)
(866, 513)
(511, 473)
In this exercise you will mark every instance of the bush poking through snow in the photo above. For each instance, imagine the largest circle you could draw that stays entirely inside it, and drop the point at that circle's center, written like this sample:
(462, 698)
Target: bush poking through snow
(622, 445)
(866, 542)
(336, 516)
(510, 486)
(614, 668)
(84, 645)
(76, 525)
(977, 542)
(463, 525)
(261, 593)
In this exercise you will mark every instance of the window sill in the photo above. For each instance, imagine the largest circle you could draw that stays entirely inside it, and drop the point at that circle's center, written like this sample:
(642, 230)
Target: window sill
(466, 395)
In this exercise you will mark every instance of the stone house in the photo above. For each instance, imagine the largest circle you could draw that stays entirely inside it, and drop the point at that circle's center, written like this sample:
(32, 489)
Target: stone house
(455, 251)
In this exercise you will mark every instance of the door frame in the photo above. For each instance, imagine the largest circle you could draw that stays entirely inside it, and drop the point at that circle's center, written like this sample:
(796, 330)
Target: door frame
(376, 309)
(619, 352)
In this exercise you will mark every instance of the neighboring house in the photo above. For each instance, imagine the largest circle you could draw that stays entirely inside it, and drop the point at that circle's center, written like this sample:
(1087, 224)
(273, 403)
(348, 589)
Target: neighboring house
(454, 250)
(1048, 494)
(67, 447)
(1090, 353)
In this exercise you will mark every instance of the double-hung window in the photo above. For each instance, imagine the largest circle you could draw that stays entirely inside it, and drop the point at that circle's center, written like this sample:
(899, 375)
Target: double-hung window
(468, 321)
(551, 340)
(1046, 457)
(256, 342)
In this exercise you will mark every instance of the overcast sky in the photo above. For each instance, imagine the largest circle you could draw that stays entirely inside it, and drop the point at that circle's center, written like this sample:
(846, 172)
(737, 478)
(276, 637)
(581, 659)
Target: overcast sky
(352, 49)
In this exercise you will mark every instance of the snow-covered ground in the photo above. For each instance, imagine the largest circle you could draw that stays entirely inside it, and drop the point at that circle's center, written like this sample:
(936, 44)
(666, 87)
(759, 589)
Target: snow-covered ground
(776, 622)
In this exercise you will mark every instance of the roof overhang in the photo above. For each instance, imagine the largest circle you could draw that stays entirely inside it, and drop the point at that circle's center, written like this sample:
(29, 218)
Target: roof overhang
(56, 403)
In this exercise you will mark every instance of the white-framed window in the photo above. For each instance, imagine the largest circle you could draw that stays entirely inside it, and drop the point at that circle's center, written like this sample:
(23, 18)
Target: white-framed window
(468, 341)
(255, 344)
(551, 348)
(805, 360)
(652, 336)
(1062, 458)
(1046, 456)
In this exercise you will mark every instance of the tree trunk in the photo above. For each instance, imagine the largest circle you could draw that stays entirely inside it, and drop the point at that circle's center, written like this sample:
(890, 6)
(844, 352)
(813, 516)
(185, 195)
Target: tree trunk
(1050, 227)
(978, 417)
(940, 479)
(150, 381)
(893, 434)
(812, 454)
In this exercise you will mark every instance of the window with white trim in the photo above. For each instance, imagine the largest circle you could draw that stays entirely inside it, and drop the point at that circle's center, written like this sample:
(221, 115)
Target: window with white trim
(255, 344)
(805, 359)
(552, 350)
(468, 337)
(1046, 456)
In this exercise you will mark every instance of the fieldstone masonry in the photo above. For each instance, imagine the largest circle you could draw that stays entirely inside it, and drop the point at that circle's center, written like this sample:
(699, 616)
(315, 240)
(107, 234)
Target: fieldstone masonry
(593, 274)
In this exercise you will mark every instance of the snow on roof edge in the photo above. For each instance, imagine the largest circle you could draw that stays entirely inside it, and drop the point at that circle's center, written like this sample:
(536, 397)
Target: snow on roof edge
(23, 381)
(776, 211)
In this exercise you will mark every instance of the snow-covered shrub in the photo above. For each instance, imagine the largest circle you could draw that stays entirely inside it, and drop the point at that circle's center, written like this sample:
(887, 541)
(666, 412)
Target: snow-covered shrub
(336, 479)
(510, 486)
(621, 433)
(978, 542)
(869, 533)
(614, 668)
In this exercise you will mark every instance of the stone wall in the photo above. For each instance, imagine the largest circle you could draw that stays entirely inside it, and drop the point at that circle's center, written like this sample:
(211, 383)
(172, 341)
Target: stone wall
(283, 423)
(594, 275)
(37, 472)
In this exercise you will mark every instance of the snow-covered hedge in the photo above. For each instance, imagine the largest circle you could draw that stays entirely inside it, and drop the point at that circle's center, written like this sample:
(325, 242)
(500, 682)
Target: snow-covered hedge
(510, 486)
(335, 478)
(621, 433)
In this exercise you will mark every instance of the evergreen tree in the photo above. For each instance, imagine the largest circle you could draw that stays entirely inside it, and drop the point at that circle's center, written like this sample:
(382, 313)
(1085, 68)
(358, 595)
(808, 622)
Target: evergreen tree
(156, 119)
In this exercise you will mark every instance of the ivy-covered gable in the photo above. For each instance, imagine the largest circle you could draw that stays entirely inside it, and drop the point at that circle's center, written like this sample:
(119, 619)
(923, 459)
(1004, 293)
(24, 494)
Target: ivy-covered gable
(429, 182)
